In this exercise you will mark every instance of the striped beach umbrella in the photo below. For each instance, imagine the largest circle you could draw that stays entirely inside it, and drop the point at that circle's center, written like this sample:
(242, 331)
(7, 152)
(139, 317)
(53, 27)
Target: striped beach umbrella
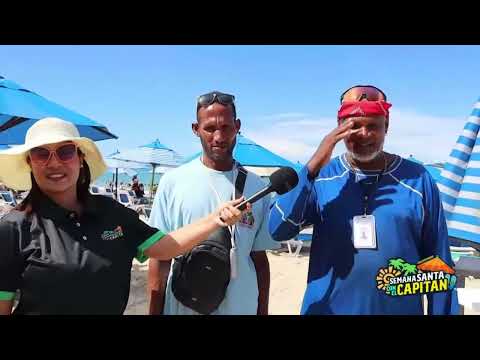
(459, 182)
(154, 154)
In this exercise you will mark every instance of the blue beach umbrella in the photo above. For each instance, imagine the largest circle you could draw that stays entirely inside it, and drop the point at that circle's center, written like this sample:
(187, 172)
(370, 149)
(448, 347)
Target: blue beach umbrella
(20, 108)
(249, 153)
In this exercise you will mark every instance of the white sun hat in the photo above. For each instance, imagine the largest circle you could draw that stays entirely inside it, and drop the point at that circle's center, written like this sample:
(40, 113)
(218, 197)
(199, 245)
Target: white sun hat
(14, 169)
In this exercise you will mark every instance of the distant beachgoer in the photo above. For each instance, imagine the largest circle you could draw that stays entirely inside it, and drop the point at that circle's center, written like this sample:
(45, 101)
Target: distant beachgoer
(141, 191)
(136, 186)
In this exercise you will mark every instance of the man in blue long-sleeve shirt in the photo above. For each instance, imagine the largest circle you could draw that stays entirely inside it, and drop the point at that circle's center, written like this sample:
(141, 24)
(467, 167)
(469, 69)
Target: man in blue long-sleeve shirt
(372, 213)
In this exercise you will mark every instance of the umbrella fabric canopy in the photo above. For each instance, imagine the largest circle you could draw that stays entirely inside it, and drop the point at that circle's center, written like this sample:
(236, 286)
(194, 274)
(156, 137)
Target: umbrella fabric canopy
(434, 169)
(298, 166)
(154, 153)
(192, 157)
(249, 153)
(121, 167)
(121, 164)
(459, 182)
(411, 158)
(161, 169)
(129, 172)
(21, 108)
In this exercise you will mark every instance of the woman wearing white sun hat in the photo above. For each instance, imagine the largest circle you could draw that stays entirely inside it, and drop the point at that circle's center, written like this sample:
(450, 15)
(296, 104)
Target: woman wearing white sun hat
(67, 251)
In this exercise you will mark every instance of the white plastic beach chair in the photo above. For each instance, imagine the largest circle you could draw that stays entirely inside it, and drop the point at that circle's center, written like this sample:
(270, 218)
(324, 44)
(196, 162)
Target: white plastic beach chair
(297, 243)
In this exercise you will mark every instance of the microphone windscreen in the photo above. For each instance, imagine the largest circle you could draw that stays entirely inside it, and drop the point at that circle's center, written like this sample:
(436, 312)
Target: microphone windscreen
(283, 180)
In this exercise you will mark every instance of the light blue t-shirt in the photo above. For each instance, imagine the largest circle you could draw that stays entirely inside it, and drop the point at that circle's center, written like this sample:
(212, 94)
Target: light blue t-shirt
(192, 191)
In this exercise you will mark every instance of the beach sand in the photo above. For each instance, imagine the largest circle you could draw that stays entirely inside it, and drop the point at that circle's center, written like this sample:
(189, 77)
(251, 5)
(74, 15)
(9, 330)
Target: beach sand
(288, 278)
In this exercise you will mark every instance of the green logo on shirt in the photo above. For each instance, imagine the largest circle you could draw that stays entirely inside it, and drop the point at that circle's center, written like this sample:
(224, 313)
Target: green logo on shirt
(112, 235)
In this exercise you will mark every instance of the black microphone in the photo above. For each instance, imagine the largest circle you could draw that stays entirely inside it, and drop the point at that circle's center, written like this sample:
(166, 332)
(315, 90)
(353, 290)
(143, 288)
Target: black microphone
(281, 181)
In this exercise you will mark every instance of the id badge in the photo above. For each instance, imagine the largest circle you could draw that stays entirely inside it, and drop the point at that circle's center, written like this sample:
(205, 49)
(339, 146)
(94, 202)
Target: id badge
(364, 234)
(233, 254)
(233, 263)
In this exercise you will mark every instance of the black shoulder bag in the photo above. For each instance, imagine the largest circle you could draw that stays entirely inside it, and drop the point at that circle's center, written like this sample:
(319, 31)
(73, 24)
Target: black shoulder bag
(200, 277)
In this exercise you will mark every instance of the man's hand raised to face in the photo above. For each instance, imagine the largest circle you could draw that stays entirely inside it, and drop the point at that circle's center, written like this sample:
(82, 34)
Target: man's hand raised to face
(324, 151)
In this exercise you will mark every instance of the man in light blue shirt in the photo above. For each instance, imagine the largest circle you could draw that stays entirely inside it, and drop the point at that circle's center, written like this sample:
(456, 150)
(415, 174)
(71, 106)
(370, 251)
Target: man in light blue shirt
(195, 189)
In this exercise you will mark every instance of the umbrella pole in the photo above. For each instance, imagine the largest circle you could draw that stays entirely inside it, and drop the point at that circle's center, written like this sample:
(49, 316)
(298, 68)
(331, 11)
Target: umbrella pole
(116, 183)
(151, 185)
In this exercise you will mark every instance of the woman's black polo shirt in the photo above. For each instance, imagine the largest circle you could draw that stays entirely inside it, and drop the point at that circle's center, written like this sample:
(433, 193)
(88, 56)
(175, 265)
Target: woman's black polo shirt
(63, 264)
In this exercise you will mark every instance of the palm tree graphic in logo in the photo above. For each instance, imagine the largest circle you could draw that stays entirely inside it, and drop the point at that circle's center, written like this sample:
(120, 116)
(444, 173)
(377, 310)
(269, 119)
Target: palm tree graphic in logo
(397, 264)
(409, 269)
(401, 265)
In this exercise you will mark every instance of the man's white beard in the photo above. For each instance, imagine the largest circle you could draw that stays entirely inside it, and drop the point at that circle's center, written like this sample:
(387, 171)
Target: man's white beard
(366, 157)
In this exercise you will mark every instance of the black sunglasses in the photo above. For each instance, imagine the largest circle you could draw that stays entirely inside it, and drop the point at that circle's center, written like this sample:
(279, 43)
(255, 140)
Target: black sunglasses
(210, 98)
(361, 92)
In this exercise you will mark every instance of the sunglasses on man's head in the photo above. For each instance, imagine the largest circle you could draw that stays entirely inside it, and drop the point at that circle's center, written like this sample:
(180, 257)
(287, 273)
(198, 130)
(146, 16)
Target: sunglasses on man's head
(64, 153)
(210, 98)
(363, 92)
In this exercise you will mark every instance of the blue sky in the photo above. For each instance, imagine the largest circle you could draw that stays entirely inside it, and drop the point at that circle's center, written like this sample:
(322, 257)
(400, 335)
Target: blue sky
(287, 96)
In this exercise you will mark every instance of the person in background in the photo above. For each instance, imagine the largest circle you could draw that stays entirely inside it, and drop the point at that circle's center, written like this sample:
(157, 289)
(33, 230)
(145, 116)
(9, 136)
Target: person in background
(136, 186)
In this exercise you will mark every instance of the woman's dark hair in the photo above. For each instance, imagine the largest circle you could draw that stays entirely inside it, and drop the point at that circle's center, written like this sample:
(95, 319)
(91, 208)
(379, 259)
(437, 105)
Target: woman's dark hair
(83, 183)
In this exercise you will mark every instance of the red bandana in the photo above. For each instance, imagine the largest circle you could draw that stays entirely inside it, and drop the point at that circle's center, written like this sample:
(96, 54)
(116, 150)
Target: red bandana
(363, 108)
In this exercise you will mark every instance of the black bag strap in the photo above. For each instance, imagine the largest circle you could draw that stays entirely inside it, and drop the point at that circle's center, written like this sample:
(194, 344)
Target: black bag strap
(239, 187)
(240, 182)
